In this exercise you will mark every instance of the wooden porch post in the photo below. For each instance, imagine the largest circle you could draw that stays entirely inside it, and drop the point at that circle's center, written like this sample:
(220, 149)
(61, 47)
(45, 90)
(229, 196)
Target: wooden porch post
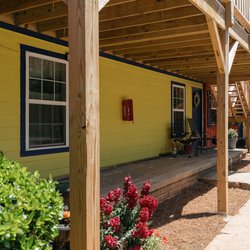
(84, 124)
(222, 142)
(222, 128)
(224, 58)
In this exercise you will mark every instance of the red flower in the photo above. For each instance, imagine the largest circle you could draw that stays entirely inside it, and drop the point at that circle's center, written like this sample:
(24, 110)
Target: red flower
(117, 194)
(103, 204)
(150, 202)
(144, 214)
(111, 196)
(108, 209)
(132, 196)
(146, 188)
(127, 183)
(142, 231)
(115, 224)
(105, 224)
(111, 242)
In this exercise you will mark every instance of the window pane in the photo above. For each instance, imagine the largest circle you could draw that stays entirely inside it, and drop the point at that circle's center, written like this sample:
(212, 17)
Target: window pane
(46, 114)
(178, 92)
(46, 134)
(59, 114)
(35, 69)
(35, 89)
(34, 113)
(60, 72)
(178, 123)
(59, 122)
(34, 133)
(178, 103)
(60, 91)
(59, 134)
(48, 90)
(48, 69)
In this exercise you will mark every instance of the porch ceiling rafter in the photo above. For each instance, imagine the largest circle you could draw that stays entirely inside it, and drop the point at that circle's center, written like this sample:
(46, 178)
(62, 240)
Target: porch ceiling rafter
(12, 6)
(216, 11)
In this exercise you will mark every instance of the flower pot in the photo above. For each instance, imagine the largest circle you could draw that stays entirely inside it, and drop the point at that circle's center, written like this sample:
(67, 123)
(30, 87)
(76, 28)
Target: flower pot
(232, 143)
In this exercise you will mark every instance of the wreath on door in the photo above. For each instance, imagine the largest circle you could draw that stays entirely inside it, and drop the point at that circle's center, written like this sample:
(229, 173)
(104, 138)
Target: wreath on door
(197, 100)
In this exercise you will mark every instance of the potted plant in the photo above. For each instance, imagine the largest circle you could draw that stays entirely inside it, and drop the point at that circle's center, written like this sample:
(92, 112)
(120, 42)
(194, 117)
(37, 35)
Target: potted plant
(232, 138)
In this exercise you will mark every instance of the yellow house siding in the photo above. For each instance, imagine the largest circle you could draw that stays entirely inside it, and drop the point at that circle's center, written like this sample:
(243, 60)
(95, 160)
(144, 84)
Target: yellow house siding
(149, 134)
(121, 141)
(56, 164)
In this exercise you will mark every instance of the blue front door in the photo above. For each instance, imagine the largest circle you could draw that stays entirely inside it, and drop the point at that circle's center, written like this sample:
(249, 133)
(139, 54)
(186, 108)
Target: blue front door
(197, 108)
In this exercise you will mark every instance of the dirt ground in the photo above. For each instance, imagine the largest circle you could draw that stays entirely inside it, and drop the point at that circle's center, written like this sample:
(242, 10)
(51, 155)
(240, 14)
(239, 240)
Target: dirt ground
(189, 220)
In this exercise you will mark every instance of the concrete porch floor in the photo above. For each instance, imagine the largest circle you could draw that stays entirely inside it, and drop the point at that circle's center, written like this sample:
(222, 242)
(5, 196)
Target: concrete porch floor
(168, 175)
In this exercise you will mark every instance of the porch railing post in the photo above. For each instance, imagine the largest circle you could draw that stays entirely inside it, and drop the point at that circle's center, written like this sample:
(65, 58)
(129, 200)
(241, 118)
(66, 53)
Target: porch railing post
(84, 124)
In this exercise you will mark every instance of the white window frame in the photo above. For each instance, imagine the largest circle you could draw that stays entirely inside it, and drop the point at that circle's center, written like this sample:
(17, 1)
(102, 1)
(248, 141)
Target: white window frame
(178, 110)
(45, 102)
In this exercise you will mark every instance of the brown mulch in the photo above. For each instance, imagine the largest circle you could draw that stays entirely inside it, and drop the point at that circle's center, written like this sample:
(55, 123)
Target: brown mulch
(189, 219)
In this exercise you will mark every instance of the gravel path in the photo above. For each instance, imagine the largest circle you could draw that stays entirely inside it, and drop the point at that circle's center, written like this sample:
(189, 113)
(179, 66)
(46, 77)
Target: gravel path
(189, 220)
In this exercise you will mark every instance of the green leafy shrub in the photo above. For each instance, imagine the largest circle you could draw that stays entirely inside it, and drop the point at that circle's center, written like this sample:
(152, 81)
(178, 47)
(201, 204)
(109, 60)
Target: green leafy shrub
(30, 208)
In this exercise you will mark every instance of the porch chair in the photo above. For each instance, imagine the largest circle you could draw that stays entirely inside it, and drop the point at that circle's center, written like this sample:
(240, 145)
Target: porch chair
(191, 142)
(196, 136)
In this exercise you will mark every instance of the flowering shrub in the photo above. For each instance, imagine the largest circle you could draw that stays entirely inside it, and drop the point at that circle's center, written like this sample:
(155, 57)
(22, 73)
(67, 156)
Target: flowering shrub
(125, 217)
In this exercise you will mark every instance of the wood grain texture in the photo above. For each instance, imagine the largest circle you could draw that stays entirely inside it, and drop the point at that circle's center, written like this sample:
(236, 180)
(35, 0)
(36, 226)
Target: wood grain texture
(12, 6)
(222, 129)
(214, 9)
(84, 124)
(216, 42)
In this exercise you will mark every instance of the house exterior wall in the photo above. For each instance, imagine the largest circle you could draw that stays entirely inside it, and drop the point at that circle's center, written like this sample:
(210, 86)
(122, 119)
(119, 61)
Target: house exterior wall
(150, 133)
(121, 141)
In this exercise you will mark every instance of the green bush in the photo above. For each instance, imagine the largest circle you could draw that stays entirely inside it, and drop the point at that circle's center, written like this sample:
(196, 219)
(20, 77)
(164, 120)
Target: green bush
(30, 208)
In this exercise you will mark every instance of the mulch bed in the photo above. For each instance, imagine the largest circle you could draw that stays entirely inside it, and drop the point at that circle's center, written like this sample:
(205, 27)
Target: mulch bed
(189, 219)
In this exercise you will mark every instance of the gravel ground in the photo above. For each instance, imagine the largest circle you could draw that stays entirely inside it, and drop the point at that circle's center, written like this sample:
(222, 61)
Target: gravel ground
(189, 220)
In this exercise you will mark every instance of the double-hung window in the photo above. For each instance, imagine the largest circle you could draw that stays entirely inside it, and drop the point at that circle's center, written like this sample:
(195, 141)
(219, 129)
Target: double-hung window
(178, 109)
(46, 102)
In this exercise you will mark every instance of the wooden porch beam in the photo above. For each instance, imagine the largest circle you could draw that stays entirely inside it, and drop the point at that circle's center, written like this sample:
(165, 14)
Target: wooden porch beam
(232, 53)
(215, 10)
(149, 18)
(154, 27)
(216, 42)
(136, 22)
(11, 6)
(229, 5)
(140, 7)
(44, 10)
(42, 13)
(84, 125)
(179, 32)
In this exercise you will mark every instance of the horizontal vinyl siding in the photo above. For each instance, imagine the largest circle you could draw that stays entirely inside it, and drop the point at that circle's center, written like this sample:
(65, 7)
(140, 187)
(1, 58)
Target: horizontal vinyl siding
(55, 164)
(149, 134)
(121, 141)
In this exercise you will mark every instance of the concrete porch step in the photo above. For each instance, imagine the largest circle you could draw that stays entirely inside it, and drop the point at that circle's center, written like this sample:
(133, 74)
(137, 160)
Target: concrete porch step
(235, 180)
